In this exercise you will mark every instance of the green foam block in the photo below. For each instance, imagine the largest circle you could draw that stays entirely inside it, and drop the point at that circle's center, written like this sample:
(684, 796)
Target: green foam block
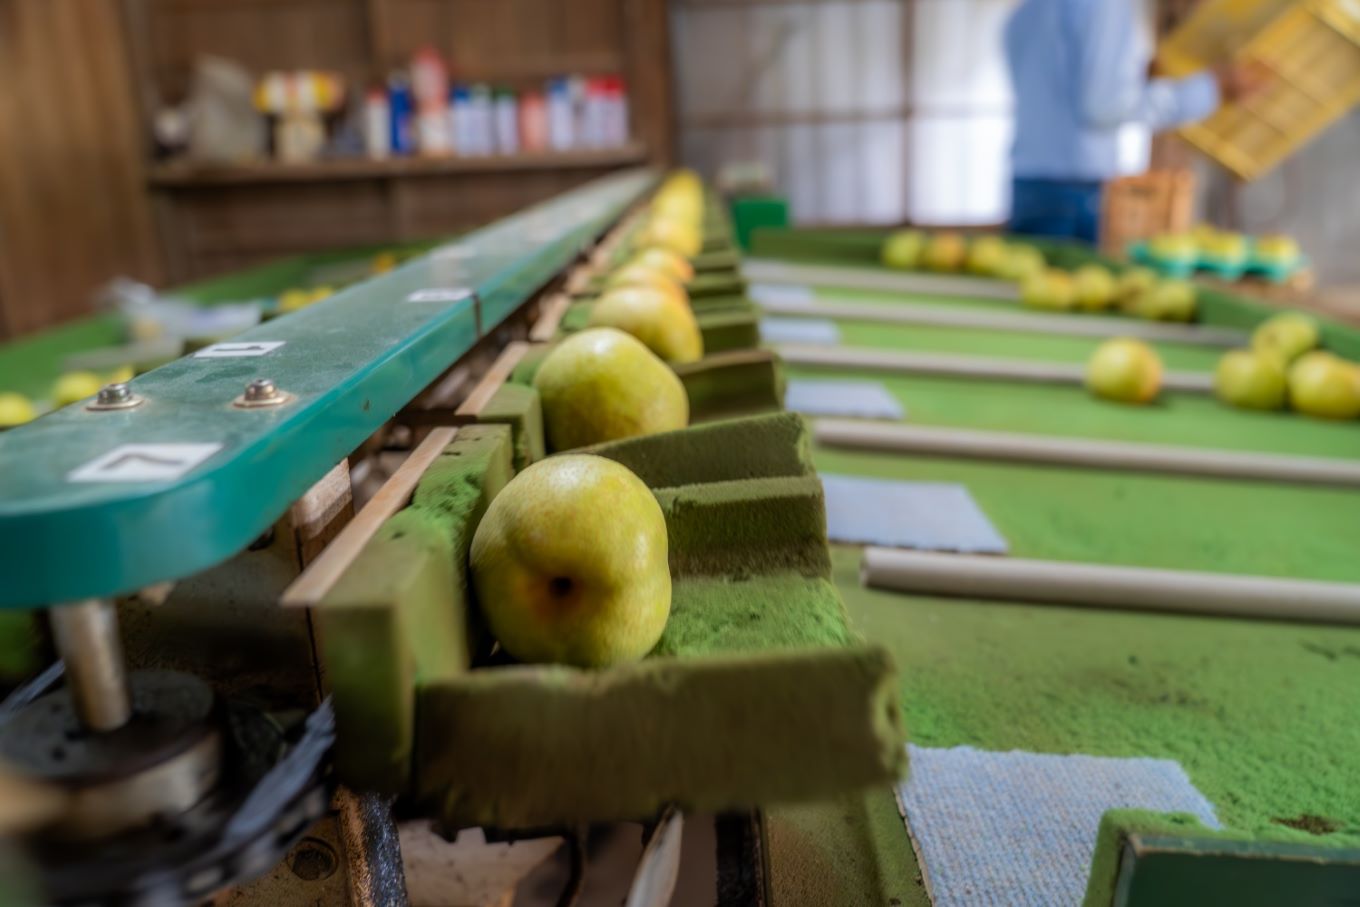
(755, 447)
(732, 384)
(534, 746)
(743, 527)
(518, 406)
(399, 616)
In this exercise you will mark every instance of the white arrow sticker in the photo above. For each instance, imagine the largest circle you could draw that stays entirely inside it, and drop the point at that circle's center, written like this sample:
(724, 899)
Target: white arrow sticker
(238, 348)
(452, 295)
(143, 463)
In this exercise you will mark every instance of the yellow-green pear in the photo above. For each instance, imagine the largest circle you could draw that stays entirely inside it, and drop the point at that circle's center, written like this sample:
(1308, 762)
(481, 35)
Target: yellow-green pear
(665, 261)
(1021, 261)
(570, 564)
(1324, 385)
(987, 256)
(15, 409)
(902, 249)
(73, 387)
(1288, 335)
(1250, 380)
(1095, 287)
(658, 318)
(945, 252)
(1049, 289)
(1124, 370)
(602, 385)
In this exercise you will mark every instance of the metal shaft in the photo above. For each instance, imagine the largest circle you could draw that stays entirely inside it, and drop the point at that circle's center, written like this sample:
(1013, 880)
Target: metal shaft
(86, 634)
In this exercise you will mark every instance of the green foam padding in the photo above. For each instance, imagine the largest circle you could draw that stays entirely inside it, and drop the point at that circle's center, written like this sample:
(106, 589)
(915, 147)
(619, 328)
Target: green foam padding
(398, 617)
(1144, 859)
(520, 407)
(739, 528)
(775, 444)
(729, 615)
(726, 328)
(718, 259)
(533, 746)
(729, 329)
(735, 383)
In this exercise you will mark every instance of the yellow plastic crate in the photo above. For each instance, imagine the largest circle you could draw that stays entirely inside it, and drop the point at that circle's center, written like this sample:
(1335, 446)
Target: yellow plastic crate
(1313, 47)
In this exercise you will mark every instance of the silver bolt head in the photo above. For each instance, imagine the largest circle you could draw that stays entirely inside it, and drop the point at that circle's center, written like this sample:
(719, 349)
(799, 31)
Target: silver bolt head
(261, 389)
(112, 394)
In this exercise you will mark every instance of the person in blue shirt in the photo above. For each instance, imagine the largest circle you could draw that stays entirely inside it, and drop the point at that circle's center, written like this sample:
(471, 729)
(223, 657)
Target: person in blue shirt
(1079, 72)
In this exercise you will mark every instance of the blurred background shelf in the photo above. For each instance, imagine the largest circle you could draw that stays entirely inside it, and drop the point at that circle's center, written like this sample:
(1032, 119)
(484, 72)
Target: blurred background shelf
(180, 175)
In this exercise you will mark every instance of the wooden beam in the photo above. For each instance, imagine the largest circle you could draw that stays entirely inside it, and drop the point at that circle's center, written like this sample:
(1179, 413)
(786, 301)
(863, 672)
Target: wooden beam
(1013, 447)
(1100, 586)
(947, 365)
(321, 574)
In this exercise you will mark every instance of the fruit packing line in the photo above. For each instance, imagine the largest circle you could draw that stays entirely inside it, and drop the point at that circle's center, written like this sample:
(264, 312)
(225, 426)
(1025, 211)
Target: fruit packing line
(829, 306)
(427, 326)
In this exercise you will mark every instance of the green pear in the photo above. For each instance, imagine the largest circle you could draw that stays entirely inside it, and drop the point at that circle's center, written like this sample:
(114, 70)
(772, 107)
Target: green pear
(987, 256)
(1325, 385)
(602, 385)
(570, 564)
(1250, 380)
(1124, 370)
(945, 252)
(661, 320)
(15, 409)
(902, 249)
(1133, 283)
(1021, 261)
(1051, 289)
(1288, 335)
(1168, 300)
(1095, 287)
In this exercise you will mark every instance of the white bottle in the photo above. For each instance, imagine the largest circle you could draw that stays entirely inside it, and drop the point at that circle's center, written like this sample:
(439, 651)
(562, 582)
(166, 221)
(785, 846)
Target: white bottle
(377, 124)
(507, 122)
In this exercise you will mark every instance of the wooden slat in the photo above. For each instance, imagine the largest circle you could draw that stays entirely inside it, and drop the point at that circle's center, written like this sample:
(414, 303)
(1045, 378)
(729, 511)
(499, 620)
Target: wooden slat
(550, 316)
(322, 573)
(493, 379)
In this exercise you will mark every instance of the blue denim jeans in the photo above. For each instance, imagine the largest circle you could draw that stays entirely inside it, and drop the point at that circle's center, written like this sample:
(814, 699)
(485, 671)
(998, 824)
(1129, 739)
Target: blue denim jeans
(1068, 209)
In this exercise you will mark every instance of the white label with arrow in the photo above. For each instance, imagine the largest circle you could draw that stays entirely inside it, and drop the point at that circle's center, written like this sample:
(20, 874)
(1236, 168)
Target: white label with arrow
(440, 295)
(239, 348)
(143, 463)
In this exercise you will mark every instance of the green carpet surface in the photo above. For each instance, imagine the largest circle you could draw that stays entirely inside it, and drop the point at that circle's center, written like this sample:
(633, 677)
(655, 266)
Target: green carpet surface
(1190, 420)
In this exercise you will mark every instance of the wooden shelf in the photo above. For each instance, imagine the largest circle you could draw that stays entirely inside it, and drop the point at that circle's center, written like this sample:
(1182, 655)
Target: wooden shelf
(188, 175)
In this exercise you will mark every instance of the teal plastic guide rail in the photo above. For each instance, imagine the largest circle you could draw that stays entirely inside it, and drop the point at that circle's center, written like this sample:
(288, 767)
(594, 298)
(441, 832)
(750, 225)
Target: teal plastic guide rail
(98, 503)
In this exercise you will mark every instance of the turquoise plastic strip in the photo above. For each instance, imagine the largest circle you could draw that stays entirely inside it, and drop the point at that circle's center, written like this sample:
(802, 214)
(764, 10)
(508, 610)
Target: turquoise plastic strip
(88, 509)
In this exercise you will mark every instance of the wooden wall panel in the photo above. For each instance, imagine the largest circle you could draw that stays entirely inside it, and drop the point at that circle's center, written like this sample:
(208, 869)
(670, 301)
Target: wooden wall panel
(261, 35)
(73, 208)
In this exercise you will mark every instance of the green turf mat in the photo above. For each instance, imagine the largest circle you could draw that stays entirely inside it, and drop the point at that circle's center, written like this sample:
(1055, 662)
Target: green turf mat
(31, 364)
(1260, 714)
(1173, 522)
(1192, 420)
(1008, 344)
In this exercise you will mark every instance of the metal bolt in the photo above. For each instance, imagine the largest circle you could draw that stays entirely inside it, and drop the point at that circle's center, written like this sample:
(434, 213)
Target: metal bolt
(261, 390)
(313, 860)
(86, 633)
(113, 394)
(262, 393)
